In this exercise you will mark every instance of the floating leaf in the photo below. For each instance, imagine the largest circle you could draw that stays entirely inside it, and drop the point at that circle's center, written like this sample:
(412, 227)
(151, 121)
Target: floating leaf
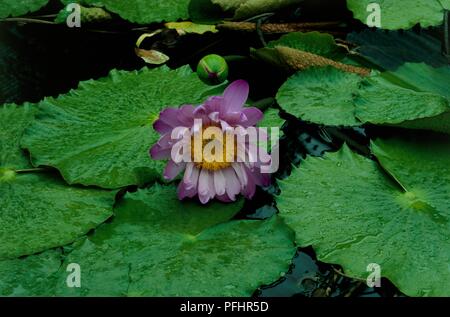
(321, 95)
(353, 214)
(87, 15)
(38, 211)
(159, 246)
(271, 119)
(332, 97)
(402, 14)
(16, 8)
(100, 133)
(380, 102)
(189, 27)
(152, 56)
(249, 8)
(143, 11)
(36, 274)
(13, 121)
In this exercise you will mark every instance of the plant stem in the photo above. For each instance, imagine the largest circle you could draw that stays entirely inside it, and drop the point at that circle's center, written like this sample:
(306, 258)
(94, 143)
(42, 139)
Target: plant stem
(28, 20)
(31, 170)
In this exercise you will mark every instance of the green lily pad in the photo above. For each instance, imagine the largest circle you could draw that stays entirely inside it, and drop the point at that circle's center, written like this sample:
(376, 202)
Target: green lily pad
(36, 274)
(15, 8)
(249, 8)
(421, 166)
(346, 207)
(332, 97)
(100, 134)
(381, 102)
(13, 121)
(402, 14)
(39, 211)
(321, 95)
(271, 119)
(313, 42)
(142, 11)
(159, 246)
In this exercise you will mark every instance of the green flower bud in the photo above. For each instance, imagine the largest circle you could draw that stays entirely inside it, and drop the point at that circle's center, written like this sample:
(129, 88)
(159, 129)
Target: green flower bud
(212, 69)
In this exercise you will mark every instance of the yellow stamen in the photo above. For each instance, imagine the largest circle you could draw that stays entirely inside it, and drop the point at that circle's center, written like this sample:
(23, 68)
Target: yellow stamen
(211, 160)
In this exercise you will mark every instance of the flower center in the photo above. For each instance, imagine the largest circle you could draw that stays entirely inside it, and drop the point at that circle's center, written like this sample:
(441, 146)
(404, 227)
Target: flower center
(213, 152)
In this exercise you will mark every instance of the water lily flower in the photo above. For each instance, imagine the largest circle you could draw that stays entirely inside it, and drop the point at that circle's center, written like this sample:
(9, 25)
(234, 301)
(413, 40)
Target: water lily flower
(216, 177)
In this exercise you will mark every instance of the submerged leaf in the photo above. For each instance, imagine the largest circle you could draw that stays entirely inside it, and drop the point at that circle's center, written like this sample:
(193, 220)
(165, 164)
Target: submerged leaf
(391, 49)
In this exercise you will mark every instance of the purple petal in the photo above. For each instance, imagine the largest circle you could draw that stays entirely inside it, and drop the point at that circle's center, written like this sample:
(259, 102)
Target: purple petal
(259, 178)
(250, 188)
(235, 96)
(214, 116)
(165, 141)
(191, 175)
(203, 183)
(233, 187)
(241, 173)
(235, 118)
(159, 153)
(161, 127)
(173, 169)
(224, 198)
(254, 115)
(184, 191)
(201, 113)
(185, 115)
(219, 182)
(213, 104)
(169, 116)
